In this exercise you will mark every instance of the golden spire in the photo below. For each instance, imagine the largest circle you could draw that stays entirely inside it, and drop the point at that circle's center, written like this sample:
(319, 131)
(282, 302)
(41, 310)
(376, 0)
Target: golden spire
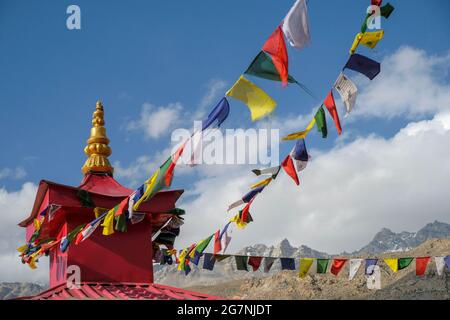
(97, 148)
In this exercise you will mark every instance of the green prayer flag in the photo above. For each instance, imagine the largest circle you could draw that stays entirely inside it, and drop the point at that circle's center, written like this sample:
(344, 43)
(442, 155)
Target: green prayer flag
(404, 262)
(322, 265)
(220, 257)
(262, 66)
(321, 122)
(177, 211)
(386, 10)
(121, 223)
(241, 262)
(201, 246)
(72, 234)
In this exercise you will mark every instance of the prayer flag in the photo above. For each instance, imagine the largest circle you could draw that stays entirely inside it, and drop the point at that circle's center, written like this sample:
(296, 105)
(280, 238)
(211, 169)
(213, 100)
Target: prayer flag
(370, 264)
(440, 264)
(386, 10)
(201, 245)
(374, 279)
(337, 266)
(241, 263)
(121, 223)
(359, 63)
(289, 168)
(322, 265)
(252, 194)
(421, 265)
(259, 102)
(369, 39)
(255, 262)
(447, 261)
(108, 222)
(392, 263)
(268, 262)
(321, 122)
(300, 154)
(287, 263)
(263, 67)
(347, 90)
(219, 114)
(217, 243)
(273, 171)
(208, 261)
(221, 257)
(305, 264)
(331, 106)
(296, 26)
(301, 134)
(355, 264)
(404, 262)
(264, 182)
(276, 48)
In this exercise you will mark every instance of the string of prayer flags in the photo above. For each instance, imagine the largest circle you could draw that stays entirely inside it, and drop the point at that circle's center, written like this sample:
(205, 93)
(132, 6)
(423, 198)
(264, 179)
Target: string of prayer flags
(404, 262)
(201, 246)
(287, 263)
(421, 265)
(289, 168)
(337, 266)
(69, 238)
(440, 265)
(300, 134)
(355, 264)
(347, 90)
(276, 48)
(300, 155)
(369, 39)
(331, 107)
(255, 262)
(370, 265)
(366, 66)
(273, 171)
(259, 102)
(241, 263)
(322, 265)
(268, 262)
(305, 265)
(295, 25)
(219, 114)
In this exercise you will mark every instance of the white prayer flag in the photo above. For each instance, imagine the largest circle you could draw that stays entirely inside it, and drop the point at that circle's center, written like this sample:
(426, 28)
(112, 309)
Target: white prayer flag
(374, 280)
(295, 25)
(440, 264)
(347, 90)
(355, 264)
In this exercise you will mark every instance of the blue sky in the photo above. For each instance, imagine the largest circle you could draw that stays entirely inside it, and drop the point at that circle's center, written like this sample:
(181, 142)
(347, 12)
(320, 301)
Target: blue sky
(128, 53)
(141, 58)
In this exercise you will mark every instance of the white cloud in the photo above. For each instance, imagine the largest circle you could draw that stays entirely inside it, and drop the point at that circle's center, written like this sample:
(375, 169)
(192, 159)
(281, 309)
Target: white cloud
(156, 121)
(346, 194)
(411, 83)
(16, 173)
(15, 206)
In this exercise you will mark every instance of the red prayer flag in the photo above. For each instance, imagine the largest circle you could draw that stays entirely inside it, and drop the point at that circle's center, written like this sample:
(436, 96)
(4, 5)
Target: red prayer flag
(275, 46)
(289, 168)
(421, 265)
(376, 2)
(255, 262)
(169, 173)
(337, 265)
(122, 207)
(331, 106)
(245, 210)
(217, 242)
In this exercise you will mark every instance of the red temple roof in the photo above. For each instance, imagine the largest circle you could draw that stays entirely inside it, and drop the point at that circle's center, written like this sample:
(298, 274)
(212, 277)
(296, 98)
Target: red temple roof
(119, 291)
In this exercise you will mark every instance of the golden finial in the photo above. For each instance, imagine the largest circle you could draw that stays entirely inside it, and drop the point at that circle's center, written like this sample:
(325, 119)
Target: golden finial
(97, 148)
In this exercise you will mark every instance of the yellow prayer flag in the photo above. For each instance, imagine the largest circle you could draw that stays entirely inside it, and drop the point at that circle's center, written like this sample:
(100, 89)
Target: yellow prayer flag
(182, 259)
(239, 223)
(259, 102)
(305, 264)
(265, 182)
(369, 39)
(32, 263)
(392, 263)
(108, 223)
(150, 185)
(37, 224)
(301, 134)
(22, 248)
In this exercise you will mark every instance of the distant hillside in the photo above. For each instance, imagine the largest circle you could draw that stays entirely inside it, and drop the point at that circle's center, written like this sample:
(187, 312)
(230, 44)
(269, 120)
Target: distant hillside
(9, 290)
(401, 285)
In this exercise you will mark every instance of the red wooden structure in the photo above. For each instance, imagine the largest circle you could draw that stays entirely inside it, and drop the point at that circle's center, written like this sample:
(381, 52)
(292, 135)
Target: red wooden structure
(118, 266)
